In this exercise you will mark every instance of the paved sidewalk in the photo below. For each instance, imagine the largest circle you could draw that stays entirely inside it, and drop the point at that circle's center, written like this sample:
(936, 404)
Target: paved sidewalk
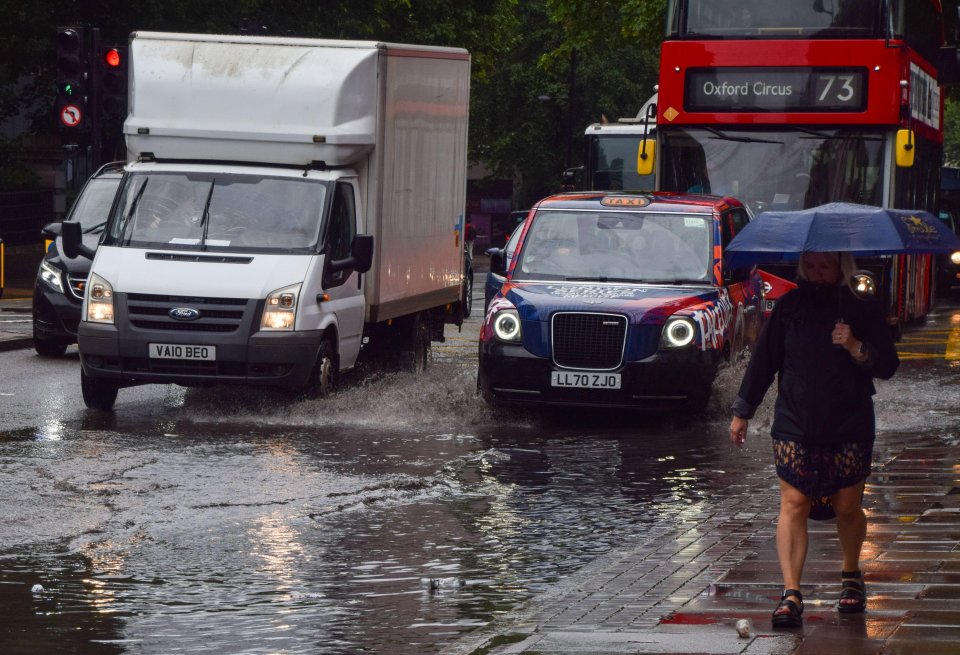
(684, 589)
(16, 318)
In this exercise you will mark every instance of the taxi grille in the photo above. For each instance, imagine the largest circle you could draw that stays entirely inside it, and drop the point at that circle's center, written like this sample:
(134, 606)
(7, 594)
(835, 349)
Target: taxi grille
(588, 341)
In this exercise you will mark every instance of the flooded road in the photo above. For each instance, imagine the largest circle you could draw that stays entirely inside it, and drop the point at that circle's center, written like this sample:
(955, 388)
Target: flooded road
(390, 519)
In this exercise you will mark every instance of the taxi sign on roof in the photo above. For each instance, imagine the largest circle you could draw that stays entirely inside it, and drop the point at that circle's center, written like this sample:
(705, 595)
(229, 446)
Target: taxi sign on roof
(625, 201)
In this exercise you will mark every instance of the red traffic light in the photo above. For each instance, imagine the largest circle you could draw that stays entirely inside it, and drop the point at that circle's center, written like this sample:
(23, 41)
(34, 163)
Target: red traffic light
(112, 57)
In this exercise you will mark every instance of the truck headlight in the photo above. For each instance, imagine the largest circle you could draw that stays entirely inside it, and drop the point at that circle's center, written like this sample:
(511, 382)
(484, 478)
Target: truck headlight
(51, 275)
(99, 300)
(955, 257)
(506, 325)
(679, 331)
(280, 311)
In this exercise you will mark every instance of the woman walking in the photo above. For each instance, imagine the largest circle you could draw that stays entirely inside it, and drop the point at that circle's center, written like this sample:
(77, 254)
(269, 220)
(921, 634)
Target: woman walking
(825, 346)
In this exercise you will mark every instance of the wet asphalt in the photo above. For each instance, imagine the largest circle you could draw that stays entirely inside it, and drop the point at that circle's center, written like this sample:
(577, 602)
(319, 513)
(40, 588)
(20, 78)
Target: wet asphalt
(685, 586)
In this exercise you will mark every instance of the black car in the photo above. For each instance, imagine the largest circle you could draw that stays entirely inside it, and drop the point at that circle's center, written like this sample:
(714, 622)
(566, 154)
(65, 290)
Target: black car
(60, 283)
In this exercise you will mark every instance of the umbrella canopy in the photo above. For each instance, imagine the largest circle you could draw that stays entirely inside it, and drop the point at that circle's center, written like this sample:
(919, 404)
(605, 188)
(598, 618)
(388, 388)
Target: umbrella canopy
(861, 230)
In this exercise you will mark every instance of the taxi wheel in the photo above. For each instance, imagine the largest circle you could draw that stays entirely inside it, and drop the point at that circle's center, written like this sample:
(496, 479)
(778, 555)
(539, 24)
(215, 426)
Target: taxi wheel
(98, 393)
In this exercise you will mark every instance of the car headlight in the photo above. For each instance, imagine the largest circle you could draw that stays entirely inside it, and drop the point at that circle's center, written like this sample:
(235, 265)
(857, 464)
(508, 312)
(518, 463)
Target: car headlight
(280, 311)
(679, 331)
(955, 257)
(506, 325)
(51, 275)
(99, 300)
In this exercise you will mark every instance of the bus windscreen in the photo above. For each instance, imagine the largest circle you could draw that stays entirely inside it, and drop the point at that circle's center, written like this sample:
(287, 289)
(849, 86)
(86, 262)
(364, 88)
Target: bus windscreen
(758, 18)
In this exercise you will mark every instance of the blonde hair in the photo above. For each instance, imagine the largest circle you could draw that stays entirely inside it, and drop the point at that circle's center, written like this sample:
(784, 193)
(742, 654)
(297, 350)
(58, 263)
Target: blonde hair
(848, 266)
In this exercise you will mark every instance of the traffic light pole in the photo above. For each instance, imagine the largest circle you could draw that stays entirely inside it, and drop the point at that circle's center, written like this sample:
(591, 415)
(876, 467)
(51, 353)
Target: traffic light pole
(93, 100)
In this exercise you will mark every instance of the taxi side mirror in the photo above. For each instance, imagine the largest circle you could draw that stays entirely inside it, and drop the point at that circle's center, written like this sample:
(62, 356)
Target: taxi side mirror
(905, 148)
(646, 155)
(498, 262)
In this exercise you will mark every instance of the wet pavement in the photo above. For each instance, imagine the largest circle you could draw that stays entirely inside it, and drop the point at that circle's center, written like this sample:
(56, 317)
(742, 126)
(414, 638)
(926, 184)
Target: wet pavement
(684, 581)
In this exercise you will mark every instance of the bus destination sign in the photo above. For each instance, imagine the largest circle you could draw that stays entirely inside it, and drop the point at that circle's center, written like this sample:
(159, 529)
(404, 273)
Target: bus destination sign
(794, 89)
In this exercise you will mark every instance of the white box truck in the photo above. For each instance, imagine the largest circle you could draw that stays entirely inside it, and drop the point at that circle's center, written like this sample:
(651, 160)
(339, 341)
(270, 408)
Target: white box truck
(287, 203)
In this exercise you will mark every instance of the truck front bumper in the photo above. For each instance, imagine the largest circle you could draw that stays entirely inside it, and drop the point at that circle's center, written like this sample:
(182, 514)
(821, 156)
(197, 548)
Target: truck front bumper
(284, 359)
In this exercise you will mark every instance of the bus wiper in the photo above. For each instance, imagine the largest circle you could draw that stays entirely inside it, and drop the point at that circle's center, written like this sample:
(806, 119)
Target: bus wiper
(826, 136)
(133, 208)
(205, 217)
(739, 139)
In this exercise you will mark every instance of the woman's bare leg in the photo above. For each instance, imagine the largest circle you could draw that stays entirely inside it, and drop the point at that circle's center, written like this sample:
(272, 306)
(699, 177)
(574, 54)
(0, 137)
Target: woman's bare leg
(792, 535)
(851, 528)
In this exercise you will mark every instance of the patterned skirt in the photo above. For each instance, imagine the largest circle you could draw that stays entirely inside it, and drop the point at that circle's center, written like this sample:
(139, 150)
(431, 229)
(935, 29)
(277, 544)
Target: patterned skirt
(821, 470)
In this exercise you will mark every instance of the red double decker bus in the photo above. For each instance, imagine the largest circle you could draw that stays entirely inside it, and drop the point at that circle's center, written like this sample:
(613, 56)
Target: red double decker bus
(789, 105)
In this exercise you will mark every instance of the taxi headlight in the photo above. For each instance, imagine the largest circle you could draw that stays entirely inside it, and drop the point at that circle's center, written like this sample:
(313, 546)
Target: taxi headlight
(51, 275)
(506, 325)
(280, 311)
(679, 331)
(99, 300)
(955, 257)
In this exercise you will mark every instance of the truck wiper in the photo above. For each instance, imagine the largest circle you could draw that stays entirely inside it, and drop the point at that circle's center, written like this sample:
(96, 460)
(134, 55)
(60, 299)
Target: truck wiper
(205, 217)
(739, 139)
(133, 208)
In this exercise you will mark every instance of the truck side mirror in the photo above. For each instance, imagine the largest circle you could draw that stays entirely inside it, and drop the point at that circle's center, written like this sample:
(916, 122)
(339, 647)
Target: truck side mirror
(360, 259)
(72, 234)
(498, 261)
(361, 250)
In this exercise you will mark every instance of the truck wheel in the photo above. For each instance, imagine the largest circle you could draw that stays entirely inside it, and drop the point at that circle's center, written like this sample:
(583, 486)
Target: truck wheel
(98, 393)
(48, 348)
(323, 381)
(418, 353)
(467, 300)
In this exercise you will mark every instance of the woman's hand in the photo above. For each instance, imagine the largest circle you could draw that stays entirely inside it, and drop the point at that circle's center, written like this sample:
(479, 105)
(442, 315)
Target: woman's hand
(738, 431)
(843, 337)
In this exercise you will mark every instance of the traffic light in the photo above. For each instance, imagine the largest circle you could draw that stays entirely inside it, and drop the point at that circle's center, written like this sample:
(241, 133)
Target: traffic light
(112, 87)
(72, 77)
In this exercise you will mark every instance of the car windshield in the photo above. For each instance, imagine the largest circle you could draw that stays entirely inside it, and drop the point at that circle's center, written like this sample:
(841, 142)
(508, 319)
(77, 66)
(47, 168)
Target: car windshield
(93, 205)
(606, 246)
(221, 212)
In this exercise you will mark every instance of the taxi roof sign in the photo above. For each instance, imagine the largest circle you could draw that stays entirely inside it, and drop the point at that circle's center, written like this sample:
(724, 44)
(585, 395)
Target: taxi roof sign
(625, 201)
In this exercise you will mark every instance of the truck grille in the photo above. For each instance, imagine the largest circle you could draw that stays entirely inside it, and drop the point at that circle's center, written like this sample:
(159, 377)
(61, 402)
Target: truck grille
(588, 341)
(149, 312)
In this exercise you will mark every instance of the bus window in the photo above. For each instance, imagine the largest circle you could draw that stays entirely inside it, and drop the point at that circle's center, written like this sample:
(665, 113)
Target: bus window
(830, 18)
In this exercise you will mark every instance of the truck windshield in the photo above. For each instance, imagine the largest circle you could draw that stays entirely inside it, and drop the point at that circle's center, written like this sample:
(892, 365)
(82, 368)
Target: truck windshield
(616, 246)
(767, 19)
(786, 169)
(218, 212)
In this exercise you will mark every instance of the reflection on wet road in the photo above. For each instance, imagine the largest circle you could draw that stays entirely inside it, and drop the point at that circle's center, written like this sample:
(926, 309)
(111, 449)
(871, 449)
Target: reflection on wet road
(390, 519)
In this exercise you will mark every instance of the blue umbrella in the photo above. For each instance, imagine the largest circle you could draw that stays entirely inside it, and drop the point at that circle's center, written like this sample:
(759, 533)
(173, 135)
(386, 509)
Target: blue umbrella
(861, 230)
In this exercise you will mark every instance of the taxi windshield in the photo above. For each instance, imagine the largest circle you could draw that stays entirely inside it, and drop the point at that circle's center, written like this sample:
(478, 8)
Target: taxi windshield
(607, 246)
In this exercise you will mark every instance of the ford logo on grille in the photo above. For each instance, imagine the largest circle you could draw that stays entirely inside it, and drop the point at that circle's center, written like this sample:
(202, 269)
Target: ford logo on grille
(184, 314)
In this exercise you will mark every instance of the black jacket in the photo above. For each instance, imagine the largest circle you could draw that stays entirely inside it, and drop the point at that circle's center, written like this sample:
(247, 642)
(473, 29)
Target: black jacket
(824, 396)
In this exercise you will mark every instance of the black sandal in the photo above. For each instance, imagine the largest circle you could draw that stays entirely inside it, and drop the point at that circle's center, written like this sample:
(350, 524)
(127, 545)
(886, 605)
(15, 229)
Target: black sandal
(853, 589)
(792, 618)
